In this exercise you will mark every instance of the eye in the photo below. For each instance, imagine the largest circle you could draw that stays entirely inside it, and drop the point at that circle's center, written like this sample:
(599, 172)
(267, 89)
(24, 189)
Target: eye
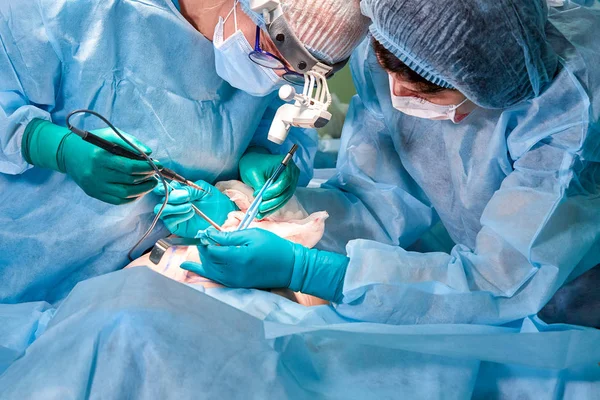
(419, 96)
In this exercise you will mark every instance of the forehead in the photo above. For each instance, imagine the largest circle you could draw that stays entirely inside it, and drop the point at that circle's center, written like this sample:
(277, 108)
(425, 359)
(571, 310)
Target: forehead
(400, 81)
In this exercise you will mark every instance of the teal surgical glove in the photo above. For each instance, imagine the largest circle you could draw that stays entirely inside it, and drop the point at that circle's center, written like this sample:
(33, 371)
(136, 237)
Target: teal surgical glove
(180, 218)
(102, 175)
(257, 166)
(255, 258)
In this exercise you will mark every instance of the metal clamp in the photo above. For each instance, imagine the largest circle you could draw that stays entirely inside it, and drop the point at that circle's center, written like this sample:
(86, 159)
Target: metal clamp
(163, 245)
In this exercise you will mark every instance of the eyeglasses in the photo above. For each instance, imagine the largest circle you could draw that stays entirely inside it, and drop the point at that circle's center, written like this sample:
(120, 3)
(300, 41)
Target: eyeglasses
(268, 60)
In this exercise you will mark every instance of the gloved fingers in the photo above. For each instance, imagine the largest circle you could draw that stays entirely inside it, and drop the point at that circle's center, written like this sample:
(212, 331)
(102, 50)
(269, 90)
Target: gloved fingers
(111, 136)
(107, 198)
(223, 255)
(98, 192)
(129, 167)
(191, 194)
(237, 238)
(160, 189)
(207, 259)
(270, 206)
(117, 177)
(176, 210)
(287, 180)
(174, 220)
(252, 167)
(179, 196)
(196, 268)
(142, 178)
(204, 241)
(130, 191)
(137, 143)
(156, 163)
(207, 190)
(207, 270)
(256, 180)
(174, 224)
(278, 187)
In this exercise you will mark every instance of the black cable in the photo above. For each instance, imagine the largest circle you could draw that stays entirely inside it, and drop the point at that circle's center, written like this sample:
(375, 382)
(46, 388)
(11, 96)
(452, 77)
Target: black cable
(141, 153)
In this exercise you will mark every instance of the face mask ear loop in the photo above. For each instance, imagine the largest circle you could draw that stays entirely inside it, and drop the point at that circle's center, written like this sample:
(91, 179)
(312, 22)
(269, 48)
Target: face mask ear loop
(235, 25)
(454, 108)
(234, 12)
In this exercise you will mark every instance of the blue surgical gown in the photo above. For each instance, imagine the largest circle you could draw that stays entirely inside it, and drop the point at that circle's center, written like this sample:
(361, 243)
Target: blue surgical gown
(135, 334)
(517, 189)
(145, 68)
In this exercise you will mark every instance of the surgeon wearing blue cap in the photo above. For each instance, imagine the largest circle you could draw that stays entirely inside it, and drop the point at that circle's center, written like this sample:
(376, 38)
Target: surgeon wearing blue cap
(483, 115)
(174, 75)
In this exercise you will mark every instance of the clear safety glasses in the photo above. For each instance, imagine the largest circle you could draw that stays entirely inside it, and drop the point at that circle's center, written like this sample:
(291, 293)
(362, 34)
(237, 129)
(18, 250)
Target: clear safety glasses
(269, 60)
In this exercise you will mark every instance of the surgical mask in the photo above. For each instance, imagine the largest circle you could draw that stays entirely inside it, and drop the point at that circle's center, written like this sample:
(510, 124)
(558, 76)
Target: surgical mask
(420, 108)
(233, 63)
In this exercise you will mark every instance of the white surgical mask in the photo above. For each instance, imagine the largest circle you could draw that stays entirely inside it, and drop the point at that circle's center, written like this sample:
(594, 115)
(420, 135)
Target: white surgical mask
(233, 63)
(422, 108)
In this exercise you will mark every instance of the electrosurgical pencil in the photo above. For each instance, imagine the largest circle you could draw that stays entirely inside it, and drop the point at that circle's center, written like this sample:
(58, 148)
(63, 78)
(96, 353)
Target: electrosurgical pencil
(163, 174)
(123, 152)
(206, 218)
(253, 209)
(119, 150)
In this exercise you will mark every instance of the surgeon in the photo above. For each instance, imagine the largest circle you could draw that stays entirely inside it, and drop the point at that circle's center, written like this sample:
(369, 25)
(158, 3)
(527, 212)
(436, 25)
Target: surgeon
(484, 115)
(177, 77)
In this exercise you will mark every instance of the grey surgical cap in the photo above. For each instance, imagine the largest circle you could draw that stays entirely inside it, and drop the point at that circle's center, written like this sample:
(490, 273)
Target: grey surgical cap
(494, 51)
(329, 29)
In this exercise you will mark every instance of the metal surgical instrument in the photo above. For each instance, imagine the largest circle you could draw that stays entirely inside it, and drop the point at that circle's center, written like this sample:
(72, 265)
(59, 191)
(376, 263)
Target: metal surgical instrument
(119, 150)
(201, 214)
(253, 209)
(163, 174)
(163, 245)
(206, 218)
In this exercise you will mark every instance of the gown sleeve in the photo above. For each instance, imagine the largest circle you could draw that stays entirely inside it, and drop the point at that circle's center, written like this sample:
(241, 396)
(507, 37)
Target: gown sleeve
(30, 74)
(371, 196)
(541, 225)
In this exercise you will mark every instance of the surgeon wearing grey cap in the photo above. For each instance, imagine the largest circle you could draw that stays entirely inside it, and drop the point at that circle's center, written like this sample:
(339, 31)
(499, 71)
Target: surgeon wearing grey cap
(177, 77)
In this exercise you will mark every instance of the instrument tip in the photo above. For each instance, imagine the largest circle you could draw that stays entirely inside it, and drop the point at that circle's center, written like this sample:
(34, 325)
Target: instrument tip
(192, 184)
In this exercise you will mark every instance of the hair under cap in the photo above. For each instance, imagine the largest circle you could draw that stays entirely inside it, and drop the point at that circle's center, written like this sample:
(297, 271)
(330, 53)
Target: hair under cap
(494, 51)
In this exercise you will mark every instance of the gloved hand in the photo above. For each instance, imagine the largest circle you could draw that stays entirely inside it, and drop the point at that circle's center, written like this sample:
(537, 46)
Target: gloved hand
(180, 218)
(255, 258)
(257, 166)
(102, 175)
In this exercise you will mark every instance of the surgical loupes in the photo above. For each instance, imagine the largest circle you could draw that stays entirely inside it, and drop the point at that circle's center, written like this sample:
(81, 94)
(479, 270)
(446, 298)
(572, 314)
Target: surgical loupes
(309, 109)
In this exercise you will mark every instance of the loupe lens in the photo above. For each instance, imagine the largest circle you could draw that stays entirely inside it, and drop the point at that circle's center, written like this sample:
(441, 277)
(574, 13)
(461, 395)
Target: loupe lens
(266, 60)
(294, 79)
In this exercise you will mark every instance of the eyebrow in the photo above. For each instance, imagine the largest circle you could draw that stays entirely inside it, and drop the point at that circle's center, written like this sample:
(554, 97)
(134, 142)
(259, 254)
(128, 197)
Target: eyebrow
(430, 90)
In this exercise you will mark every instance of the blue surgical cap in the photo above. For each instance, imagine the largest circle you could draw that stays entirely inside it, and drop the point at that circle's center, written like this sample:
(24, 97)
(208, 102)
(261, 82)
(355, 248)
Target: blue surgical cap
(493, 51)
